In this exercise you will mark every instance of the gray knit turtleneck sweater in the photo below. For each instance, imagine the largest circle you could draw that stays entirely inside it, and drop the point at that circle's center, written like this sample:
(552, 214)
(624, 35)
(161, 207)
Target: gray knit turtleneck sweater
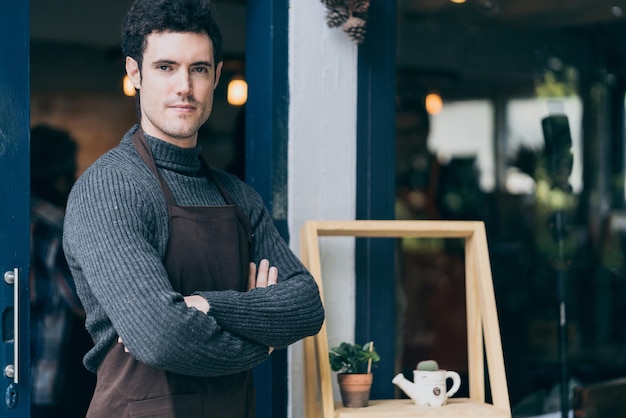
(115, 237)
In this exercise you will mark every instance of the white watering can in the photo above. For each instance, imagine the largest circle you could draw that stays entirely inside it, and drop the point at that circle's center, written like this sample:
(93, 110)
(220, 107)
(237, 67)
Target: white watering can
(429, 384)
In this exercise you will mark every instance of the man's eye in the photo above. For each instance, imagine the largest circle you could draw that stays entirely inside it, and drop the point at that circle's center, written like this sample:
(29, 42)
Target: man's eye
(201, 70)
(163, 67)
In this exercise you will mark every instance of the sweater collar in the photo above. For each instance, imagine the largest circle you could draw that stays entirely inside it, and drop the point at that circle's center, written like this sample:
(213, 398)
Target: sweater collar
(172, 157)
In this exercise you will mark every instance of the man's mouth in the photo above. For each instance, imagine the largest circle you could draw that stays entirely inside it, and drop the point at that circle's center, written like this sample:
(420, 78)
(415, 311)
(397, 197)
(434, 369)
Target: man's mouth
(182, 107)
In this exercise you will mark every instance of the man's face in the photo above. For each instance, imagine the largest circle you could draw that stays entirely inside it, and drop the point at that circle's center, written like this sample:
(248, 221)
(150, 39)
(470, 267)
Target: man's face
(176, 84)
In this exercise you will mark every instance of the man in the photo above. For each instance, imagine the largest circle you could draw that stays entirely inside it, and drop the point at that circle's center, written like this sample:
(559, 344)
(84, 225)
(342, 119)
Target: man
(164, 251)
(57, 319)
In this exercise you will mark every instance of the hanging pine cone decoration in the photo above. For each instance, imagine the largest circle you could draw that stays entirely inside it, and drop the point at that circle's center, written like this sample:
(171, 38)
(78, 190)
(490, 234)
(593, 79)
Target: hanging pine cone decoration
(350, 15)
(358, 6)
(336, 17)
(332, 4)
(355, 28)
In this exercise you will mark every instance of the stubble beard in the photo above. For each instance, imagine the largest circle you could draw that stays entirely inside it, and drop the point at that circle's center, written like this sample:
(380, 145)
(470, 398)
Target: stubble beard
(180, 128)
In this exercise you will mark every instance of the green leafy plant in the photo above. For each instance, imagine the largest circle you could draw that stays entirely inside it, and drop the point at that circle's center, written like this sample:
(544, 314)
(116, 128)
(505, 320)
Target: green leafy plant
(353, 358)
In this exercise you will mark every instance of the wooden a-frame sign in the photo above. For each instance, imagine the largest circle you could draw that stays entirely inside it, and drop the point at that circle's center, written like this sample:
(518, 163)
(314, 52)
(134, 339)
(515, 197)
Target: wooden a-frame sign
(482, 324)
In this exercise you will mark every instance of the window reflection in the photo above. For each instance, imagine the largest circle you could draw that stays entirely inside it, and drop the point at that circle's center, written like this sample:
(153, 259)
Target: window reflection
(489, 146)
(523, 127)
(465, 128)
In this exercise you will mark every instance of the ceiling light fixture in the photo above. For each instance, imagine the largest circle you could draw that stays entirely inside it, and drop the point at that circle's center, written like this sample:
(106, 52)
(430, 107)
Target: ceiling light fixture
(237, 93)
(127, 86)
(433, 103)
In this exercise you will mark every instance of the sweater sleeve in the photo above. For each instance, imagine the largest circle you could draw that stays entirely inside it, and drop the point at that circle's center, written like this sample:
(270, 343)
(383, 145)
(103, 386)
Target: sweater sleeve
(109, 234)
(277, 315)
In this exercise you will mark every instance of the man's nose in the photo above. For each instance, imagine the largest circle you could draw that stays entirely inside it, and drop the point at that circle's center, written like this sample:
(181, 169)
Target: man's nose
(183, 83)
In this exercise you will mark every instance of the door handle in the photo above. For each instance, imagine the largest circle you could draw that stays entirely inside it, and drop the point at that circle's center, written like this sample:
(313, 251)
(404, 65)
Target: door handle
(12, 370)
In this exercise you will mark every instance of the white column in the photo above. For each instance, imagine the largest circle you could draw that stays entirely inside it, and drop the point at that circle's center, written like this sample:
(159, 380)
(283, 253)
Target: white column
(322, 161)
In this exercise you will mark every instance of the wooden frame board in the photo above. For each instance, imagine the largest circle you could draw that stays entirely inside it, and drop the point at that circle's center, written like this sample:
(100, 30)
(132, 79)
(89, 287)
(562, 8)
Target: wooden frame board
(482, 317)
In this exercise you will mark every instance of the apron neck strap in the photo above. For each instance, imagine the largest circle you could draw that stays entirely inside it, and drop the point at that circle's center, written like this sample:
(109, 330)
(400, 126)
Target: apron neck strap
(213, 179)
(228, 198)
(141, 145)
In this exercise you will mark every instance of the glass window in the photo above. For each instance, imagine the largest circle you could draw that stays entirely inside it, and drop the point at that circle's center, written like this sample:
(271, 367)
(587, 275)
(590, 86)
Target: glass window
(464, 128)
(524, 131)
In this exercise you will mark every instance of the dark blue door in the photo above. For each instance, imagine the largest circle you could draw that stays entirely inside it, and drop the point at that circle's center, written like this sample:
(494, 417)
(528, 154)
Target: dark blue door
(14, 208)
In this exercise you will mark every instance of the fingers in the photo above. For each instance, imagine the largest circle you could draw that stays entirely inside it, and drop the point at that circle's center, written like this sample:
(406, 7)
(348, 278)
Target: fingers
(119, 340)
(261, 278)
(266, 275)
(252, 276)
(197, 302)
(272, 277)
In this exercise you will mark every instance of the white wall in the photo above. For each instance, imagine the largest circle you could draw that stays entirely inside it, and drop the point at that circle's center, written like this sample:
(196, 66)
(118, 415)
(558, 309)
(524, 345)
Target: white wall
(322, 161)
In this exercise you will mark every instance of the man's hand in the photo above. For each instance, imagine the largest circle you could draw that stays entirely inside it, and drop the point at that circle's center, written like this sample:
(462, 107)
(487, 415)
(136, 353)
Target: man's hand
(266, 276)
(119, 340)
(197, 302)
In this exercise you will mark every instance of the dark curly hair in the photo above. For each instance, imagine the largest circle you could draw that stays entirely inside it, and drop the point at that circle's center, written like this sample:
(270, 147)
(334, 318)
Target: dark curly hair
(147, 16)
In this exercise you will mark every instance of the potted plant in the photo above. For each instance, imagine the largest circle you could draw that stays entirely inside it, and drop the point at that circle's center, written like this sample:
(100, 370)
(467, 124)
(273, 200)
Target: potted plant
(353, 363)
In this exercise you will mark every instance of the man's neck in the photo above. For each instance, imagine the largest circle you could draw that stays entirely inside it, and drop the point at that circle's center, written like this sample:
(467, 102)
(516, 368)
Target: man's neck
(189, 142)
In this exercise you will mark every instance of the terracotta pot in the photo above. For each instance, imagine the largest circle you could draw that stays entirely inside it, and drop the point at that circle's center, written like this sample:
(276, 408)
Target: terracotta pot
(355, 389)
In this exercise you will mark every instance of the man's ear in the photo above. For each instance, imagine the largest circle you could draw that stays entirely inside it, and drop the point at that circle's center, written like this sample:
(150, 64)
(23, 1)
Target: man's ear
(134, 72)
(218, 73)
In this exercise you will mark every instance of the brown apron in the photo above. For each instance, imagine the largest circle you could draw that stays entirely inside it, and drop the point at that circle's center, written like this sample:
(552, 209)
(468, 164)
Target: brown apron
(128, 388)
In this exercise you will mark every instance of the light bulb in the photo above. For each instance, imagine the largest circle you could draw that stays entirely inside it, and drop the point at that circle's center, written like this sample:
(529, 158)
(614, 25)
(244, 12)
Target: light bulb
(433, 103)
(237, 92)
(128, 87)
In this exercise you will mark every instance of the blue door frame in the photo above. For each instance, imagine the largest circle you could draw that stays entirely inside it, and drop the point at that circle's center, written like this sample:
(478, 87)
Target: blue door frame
(14, 208)
(375, 258)
(266, 168)
(267, 141)
(266, 156)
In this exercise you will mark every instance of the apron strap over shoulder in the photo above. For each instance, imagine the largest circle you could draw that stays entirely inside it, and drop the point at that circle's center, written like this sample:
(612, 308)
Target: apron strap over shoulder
(141, 145)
